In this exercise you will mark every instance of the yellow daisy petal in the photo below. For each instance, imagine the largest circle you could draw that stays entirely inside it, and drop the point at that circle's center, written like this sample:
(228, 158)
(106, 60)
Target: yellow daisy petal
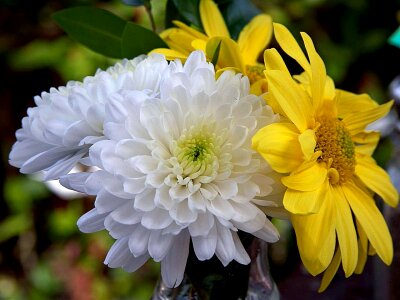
(170, 54)
(330, 272)
(376, 179)
(366, 142)
(212, 20)
(278, 144)
(273, 61)
(289, 44)
(371, 220)
(229, 53)
(304, 203)
(309, 179)
(254, 38)
(362, 249)
(318, 72)
(358, 121)
(346, 232)
(196, 34)
(308, 142)
(293, 100)
(316, 237)
(199, 45)
(349, 103)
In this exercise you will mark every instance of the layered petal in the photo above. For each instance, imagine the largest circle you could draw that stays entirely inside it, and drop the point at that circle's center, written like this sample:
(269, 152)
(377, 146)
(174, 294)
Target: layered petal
(371, 220)
(254, 37)
(376, 179)
(278, 144)
(212, 20)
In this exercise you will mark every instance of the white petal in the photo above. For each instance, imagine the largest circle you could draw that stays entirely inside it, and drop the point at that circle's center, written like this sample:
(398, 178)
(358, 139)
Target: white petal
(75, 181)
(92, 221)
(145, 200)
(136, 262)
(241, 157)
(118, 230)
(138, 241)
(156, 219)
(135, 185)
(268, 233)
(203, 224)
(221, 208)
(126, 214)
(196, 201)
(106, 201)
(225, 250)
(163, 199)
(119, 254)
(173, 265)
(143, 163)
(241, 255)
(238, 136)
(204, 246)
(264, 183)
(227, 188)
(182, 214)
(159, 244)
(244, 212)
(76, 132)
(252, 225)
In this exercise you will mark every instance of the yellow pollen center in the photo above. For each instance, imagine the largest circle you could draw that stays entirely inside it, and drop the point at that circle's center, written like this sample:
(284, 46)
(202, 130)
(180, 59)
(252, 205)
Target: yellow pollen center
(334, 141)
(255, 72)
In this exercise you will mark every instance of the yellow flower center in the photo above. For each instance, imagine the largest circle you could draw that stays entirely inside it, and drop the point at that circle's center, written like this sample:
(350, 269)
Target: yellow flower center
(334, 141)
(255, 72)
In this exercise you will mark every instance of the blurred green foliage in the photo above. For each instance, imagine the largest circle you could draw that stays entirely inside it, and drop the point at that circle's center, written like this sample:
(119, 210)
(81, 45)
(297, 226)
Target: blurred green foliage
(43, 255)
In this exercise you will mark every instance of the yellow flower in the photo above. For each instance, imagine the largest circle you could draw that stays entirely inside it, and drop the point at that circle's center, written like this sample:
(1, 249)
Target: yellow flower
(324, 149)
(240, 56)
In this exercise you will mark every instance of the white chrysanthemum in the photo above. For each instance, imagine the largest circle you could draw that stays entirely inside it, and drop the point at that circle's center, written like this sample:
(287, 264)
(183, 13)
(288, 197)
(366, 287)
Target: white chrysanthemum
(58, 132)
(178, 167)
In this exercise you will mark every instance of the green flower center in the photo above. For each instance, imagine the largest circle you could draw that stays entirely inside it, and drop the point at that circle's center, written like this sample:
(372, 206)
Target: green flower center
(196, 153)
(337, 147)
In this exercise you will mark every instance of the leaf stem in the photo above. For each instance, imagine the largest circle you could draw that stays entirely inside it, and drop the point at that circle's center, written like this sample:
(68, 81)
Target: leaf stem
(147, 5)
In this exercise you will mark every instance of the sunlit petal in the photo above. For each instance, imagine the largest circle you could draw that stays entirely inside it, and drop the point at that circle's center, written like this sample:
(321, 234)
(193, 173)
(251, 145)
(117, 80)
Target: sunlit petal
(278, 144)
(212, 20)
(330, 271)
(376, 179)
(289, 45)
(292, 99)
(346, 233)
(371, 220)
(358, 121)
(254, 38)
(305, 202)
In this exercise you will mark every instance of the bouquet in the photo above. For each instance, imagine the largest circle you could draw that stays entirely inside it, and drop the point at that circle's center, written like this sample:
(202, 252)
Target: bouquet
(200, 136)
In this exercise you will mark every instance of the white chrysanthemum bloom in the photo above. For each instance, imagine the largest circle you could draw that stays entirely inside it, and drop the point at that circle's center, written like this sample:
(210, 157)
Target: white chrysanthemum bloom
(178, 167)
(58, 132)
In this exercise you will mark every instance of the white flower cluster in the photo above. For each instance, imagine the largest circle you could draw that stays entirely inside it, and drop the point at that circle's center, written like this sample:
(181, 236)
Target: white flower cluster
(171, 146)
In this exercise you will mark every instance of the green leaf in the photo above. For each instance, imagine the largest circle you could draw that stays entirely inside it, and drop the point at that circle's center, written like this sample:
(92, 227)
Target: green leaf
(95, 28)
(138, 40)
(215, 56)
(237, 13)
(189, 10)
(106, 33)
(186, 11)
